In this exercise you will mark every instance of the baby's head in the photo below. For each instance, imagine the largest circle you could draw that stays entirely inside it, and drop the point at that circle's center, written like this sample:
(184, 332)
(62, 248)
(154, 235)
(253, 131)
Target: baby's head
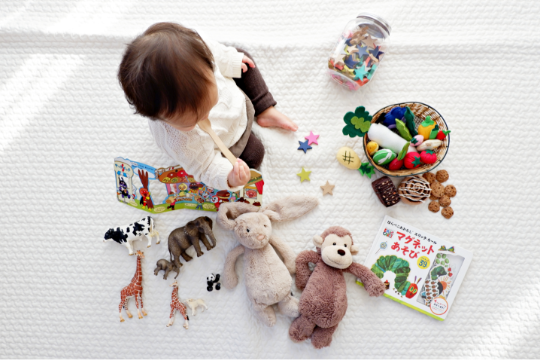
(167, 73)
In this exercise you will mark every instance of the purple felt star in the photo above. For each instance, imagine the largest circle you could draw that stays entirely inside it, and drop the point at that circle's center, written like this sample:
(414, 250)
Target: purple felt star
(304, 146)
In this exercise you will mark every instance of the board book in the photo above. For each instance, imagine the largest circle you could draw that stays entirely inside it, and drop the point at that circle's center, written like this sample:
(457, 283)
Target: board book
(418, 269)
(163, 189)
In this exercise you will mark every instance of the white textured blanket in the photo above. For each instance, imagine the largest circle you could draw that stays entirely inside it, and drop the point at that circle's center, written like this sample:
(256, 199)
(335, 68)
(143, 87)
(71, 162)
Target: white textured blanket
(63, 119)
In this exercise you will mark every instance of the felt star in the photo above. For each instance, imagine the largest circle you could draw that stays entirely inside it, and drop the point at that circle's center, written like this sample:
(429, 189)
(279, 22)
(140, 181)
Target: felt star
(327, 188)
(348, 70)
(372, 71)
(359, 73)
(312, 138)
(351, 49)
(351, 61)
(338, 59)
(304, 175)
(376, 52)
(369, 41)
(362, 50)
(304, 146)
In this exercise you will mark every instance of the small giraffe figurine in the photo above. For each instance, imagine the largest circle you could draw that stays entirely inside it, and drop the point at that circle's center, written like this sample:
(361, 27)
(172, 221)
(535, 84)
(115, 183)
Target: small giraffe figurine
(177, 305)
(133, 289)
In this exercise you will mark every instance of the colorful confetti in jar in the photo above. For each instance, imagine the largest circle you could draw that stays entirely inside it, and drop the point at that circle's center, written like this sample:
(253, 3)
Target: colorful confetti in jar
(359, 51)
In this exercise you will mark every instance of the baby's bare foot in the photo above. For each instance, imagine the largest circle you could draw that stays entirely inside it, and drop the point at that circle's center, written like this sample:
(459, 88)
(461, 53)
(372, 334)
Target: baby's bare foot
(271, 117)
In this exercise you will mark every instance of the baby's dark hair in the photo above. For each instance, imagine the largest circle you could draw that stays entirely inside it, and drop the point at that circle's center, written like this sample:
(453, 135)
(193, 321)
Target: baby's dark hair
(162, 71)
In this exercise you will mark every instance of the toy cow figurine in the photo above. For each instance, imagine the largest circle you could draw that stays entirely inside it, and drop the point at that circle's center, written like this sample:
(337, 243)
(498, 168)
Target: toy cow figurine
(135, 231)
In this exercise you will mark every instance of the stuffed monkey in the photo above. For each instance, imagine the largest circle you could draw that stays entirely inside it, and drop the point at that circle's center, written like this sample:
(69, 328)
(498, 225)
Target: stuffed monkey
(324, 300)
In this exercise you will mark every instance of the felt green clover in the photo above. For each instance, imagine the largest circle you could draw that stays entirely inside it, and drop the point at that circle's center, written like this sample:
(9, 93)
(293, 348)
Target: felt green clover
(366, 169)
(358, 122)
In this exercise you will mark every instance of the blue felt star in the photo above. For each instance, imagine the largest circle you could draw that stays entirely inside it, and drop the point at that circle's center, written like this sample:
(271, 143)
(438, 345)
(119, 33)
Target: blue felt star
(362, 50)
(359, 73)
(351, 61)
(304, 146)
(375, 52)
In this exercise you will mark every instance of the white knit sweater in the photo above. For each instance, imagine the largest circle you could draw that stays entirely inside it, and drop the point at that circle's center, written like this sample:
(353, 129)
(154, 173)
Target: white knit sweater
(195, 150)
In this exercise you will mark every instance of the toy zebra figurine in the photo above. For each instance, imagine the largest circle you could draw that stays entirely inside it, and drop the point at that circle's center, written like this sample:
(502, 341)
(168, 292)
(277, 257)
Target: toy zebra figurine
(133, 289)
(177, 305)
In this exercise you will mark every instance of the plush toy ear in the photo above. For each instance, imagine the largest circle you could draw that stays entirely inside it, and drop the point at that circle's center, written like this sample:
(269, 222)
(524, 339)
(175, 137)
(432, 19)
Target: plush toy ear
(317, 240)
(355, 249)
(228, 212)
(289, 208)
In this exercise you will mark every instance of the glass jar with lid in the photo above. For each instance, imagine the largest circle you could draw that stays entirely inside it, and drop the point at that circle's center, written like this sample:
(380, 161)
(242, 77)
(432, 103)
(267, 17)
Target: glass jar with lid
(359, 51)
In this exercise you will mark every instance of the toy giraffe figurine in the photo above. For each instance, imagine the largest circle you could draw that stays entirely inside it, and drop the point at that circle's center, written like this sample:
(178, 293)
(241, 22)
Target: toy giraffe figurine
(133, 289)
(177, 305)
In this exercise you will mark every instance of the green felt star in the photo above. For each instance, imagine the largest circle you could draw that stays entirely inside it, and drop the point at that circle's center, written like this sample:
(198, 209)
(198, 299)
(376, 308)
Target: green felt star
(357, 122)
(366, 169)
(304, 175)
(416, 161)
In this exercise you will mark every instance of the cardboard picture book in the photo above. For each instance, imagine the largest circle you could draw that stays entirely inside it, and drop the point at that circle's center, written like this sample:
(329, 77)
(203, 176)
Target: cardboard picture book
(419, 270)
(163, 189)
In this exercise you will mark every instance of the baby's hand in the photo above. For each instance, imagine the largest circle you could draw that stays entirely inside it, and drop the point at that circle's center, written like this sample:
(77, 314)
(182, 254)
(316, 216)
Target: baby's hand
(246, 60)
(239, 175)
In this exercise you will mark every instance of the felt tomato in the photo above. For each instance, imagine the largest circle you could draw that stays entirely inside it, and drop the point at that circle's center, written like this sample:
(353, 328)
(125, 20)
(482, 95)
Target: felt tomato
(412, 160)
(441, 135)
(395, 164)
(428, 157)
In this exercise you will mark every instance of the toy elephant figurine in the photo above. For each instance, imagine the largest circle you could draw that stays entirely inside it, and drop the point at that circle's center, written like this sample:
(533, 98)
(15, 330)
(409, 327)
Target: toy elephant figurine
(268, 279)
(182, 238)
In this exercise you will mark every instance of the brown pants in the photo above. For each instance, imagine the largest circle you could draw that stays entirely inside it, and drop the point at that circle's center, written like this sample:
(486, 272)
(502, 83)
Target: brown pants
(253, 85)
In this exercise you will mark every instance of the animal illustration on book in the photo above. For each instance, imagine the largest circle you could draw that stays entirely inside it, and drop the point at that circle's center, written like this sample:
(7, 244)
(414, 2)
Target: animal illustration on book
(125, 235)
(174, 189)
(133, 289)
(176, 304)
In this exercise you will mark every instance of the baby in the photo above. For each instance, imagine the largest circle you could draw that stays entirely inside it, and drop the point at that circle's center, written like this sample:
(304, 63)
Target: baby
(176, 79)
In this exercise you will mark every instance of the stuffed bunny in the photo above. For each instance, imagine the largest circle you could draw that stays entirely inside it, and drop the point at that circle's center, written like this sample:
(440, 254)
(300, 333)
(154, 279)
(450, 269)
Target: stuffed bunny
(268, 279)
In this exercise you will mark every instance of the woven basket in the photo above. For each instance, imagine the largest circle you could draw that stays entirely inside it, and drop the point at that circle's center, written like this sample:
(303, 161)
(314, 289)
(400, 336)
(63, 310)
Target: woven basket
(420, 111)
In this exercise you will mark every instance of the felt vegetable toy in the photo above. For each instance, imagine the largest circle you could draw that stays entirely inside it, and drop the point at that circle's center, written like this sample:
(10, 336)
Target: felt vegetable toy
(384, 156)
(409, 121)
(429, 145)
(387, 139)
(434, 132)
(390, 118)
(348, 158)
(428, 157)
(417, 140)
(395, 164)
(357, 122)
(425, 127)
(372, 147)
(412, 160)
(441, 135)
(403, 130)
(324, 298)
(267, 277)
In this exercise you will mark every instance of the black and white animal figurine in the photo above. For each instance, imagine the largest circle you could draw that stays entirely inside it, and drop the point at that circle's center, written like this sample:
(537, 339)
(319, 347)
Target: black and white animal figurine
(127, 234)
(211, 280)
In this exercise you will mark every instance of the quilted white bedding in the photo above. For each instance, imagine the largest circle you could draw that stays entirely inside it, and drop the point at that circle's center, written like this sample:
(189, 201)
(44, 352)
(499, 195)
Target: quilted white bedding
(63, 119)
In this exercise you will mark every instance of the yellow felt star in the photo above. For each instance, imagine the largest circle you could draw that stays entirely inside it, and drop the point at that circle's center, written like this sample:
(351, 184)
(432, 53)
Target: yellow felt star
(327, 188)
(304, 175)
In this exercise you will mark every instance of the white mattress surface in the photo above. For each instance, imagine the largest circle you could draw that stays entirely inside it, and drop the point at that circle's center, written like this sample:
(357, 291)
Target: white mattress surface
(63, 119)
